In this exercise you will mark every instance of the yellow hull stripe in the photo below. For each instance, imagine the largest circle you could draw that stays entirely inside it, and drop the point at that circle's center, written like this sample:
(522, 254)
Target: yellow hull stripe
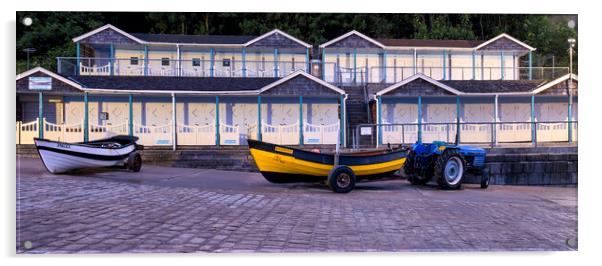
(279, 163)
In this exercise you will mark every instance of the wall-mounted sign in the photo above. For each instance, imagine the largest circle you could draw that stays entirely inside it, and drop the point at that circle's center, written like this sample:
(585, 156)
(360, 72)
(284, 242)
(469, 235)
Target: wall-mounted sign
(40, 83)
(365, 131)
(104, 116)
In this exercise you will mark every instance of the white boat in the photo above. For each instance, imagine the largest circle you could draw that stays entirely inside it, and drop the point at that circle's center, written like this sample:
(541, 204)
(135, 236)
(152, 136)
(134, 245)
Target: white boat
(61, 157)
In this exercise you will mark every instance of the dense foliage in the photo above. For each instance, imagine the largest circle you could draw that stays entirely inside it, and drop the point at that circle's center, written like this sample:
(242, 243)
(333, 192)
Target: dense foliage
(51, 32)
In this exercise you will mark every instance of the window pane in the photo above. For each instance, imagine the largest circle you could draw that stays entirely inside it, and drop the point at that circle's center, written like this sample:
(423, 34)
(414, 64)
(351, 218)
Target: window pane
(133, 61)
(165, 61)
(196, 62)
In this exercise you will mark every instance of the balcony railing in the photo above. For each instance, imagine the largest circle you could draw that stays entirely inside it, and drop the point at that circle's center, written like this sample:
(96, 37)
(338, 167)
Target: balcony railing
(71, 66)
(336, 74)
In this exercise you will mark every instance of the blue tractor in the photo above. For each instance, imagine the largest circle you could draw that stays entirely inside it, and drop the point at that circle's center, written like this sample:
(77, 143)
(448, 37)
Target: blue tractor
(446, 163)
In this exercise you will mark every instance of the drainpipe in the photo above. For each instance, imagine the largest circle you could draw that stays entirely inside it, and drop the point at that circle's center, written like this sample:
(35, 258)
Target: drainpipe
(86, 134)
(300, 119)
(174, 122)
(40, 115)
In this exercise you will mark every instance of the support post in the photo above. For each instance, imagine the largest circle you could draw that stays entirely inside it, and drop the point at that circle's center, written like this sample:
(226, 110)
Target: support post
(131, 115)
(502, 64)
(300, 119)
(570, 117)
(275, 62)
(384, 75)
(354, 65)
(86, 118)
(111, 59)
(444, 64)
(146, 60)
(324, 64)
(307, 64)
(533, 126)
(419, 119)
(77, 59)
(379, 134)
(457, 119)
(474, 65)
(414, 62)
(179, 62)
(342, 119)
(174, 122)
(495, 118)
(211, 61)
(40, 115)
(217, 121)
(259, 117)
(530, 65)
(244, 62)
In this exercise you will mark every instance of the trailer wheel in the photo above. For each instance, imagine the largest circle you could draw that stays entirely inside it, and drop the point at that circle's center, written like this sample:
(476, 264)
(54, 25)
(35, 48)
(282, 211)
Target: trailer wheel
(449, 170)
(341, 179)
(484, 182)
(134, 162)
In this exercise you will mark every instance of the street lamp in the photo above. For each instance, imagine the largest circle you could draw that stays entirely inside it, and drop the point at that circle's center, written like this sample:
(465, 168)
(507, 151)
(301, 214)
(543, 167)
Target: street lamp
(571, 42)
(29, 51)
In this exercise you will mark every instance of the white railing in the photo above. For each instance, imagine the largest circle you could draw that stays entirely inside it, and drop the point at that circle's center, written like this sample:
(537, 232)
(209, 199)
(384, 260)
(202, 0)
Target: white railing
(106, 131)
(94, 70)
(552, 132)
(229, 135)
(399, 134)
(63, 133)
(280, 134)
(196, 135)
(153, 134)
(509, 132)
(320, 134)
(27, 131)
(475, 133)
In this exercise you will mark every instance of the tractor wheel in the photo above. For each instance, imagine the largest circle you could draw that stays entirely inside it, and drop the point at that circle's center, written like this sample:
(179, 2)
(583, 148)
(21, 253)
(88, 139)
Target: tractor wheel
(484, 182)
(134, 162)
(410, 173)
(449, 170)
(341, 179)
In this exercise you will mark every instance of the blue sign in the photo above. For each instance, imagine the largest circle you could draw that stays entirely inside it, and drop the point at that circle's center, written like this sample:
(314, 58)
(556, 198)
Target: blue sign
(40, 83)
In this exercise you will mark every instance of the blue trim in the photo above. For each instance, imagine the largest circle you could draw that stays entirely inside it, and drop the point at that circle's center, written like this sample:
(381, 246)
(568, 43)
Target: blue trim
(309, 113)
(502, 64)
(77, 56)
(86, 136)
(379, 114)
(533, 127)
(414, 59)
(324, 64)
(444, 64)
(308, 67)
(131, 114)
(458, 118)
(40, 115)
(354, 65)
(212, 61)
(275, 62)
(244, 62)
(474, 65)
(342, 119)
(300, 119)
(495, 117)
(146, 60)
(99, 102)
(269, 113)
(111, 57)
(385, 66)
(217, 121)
(259, 117)
(143, 112)
(186, 116)
(530, 65)
(570, 118)
(229, 113)
(419, 119)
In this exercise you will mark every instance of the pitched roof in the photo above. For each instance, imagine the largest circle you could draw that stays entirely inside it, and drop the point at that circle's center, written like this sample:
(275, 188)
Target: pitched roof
(48, 73)
(423, 77)
(430, 43)
(494, 86)
(158, 84)
(194, 39)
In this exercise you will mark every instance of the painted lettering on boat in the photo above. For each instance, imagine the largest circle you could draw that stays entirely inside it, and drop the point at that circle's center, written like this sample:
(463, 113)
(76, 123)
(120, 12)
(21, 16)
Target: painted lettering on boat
(63, 145)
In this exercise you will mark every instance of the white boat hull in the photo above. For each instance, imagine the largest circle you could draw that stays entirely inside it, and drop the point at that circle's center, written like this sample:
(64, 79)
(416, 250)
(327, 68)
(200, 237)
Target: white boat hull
(61, 157)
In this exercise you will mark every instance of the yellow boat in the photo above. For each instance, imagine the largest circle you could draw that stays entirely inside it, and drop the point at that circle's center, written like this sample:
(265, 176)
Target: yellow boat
(281, 164)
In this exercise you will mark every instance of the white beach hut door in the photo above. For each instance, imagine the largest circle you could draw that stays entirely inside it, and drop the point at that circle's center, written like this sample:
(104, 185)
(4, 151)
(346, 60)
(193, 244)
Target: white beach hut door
(440, 113)
(552, 112)
(515, 112)
(244, 116)
(477, 132)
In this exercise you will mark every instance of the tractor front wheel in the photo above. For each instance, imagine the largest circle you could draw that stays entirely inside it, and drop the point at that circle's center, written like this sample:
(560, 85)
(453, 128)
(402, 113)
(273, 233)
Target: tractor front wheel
(449, 170)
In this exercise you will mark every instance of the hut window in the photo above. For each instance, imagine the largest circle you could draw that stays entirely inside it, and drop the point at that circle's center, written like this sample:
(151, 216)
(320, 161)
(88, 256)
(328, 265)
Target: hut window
(165, 61)
(196, 62)
(134, 61)
(226, 62)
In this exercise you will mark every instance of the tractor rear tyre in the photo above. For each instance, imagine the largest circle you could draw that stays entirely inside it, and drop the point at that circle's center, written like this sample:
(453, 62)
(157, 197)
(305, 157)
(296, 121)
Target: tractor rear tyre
(341, 179)
(410, 173)
(449, 170)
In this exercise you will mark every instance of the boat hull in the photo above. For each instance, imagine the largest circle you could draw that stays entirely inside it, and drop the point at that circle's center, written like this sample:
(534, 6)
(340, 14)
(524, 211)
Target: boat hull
(281, 164)
(59, 157)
